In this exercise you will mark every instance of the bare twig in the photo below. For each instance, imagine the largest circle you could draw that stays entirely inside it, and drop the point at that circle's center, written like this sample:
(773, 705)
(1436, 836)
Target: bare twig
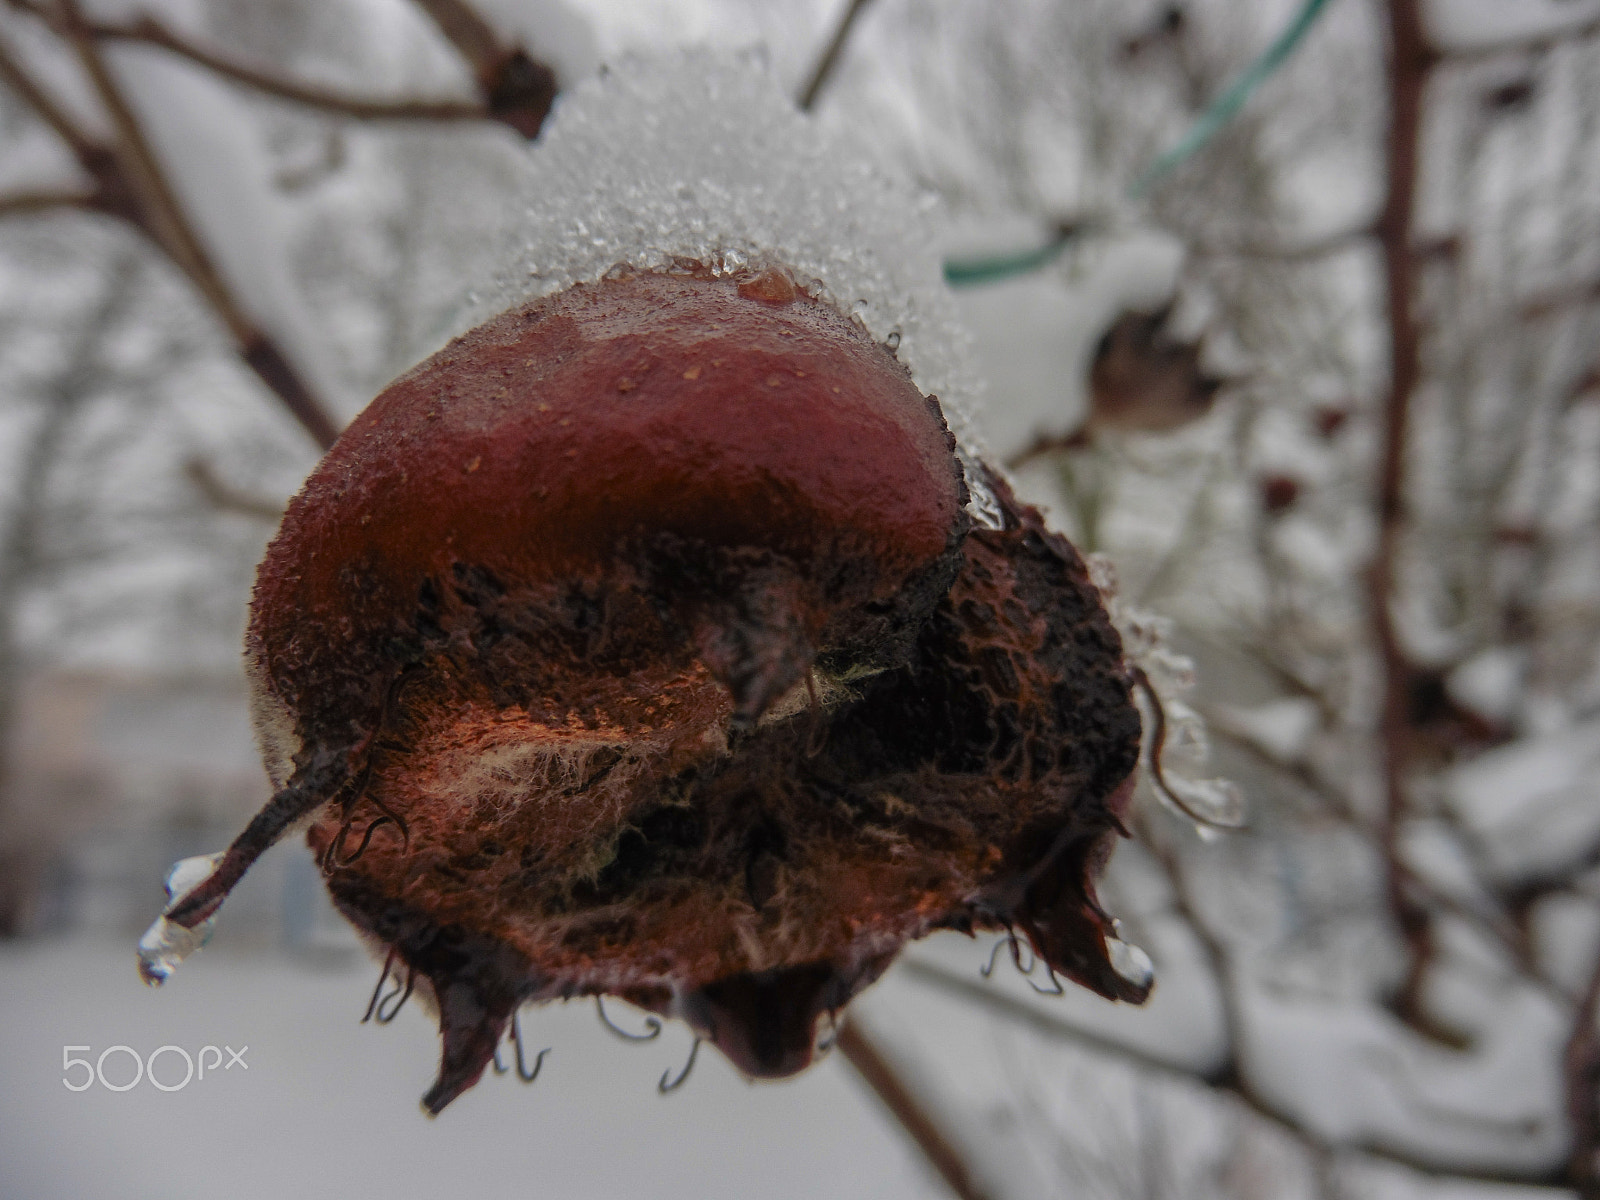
(84, 147)
(1581, 1069)
(831, 55)
(903, 1104)
(1323, 247)
(1536, 44)
(20, 204)
(1410, 61)
(132, 169)
(517, 89)
(1558, 300)
(1028, 1014)
(473, 37)
(222, 495)
(149, 31)
(1219, 1082)
(1497, 926)
(1047, 445)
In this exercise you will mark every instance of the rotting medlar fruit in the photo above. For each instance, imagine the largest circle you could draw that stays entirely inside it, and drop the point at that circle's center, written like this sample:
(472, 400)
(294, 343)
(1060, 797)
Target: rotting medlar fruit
(639, 643)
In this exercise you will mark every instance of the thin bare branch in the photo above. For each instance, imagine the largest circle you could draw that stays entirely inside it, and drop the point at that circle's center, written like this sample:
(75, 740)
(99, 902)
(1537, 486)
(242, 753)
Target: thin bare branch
(1581, 1069)
(898, 1097)
(831, 55)
(517, 89)
(155, 208)
(1027, 1014)
(223, 496)
(1020, 1010)
(1410, 61)
(25, 203)
(1047, 445)
(33, 93)
(1337, 243)
(1495, 925)
(1557, 300)
(473, 37)
(149, 31)
(1537, 44)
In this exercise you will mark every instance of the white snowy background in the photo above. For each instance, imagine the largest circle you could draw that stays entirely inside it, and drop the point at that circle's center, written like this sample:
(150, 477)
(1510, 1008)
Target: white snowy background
(142, 462)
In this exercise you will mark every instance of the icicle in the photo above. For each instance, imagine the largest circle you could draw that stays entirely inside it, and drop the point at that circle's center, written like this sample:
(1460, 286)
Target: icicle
(1130, 962)
(166, 944)
(1177, 740)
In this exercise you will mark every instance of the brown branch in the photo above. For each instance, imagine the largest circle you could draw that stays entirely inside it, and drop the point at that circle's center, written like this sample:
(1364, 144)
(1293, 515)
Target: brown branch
(1336, 243)
(1556, 300)
(1410, 61)
(1537, 44)
(1497, 926)
(112, 194)
(902, 1103)
(223, 496)
(153, 207)
(84, 147)
(1223, 1083)
(26, 203)
(517, 89)
(473, 37)
(831, 55)
(151, 32)
(1581, 1071)
(1046, 445)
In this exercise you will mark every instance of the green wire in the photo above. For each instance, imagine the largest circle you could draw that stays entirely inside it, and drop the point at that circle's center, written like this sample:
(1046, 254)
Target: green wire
(966, 273)
(1226, 106)
(970, 272)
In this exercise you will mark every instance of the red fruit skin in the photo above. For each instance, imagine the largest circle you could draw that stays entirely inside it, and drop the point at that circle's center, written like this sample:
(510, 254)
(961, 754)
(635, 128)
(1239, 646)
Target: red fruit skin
(586, 431)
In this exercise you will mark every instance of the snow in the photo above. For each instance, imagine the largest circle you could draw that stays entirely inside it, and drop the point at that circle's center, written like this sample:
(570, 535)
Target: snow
(1462, 25)
(1036, 334)
(328, 1107)
(700, 155)
(1565, 932)
(1532, 807)
(552, 32)
(1281, 729)
(1490, 682)
(1379, 1084)
(55, 68)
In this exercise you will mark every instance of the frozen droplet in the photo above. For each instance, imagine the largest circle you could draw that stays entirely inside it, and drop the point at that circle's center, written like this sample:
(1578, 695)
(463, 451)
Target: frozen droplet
(1130, 962)
(982, 505)
(166, 943)
(892, 342)
(1214, 802)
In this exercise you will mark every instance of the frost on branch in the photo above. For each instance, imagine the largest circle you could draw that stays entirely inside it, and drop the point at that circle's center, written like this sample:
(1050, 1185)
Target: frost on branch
(657, 638)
